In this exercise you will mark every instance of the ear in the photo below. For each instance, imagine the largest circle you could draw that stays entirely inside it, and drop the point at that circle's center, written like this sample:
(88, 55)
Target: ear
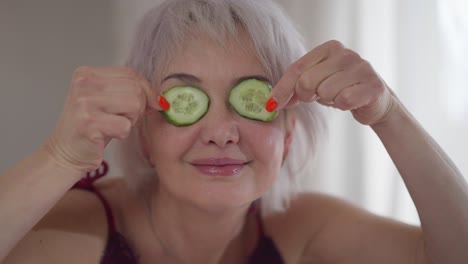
(288, 138)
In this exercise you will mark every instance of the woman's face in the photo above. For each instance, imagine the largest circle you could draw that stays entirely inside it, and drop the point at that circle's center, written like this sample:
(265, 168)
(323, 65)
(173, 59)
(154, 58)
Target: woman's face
(223, 160)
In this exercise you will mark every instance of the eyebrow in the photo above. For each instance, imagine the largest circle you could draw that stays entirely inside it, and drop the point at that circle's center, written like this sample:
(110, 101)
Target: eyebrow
(184, 77)
(192, 79)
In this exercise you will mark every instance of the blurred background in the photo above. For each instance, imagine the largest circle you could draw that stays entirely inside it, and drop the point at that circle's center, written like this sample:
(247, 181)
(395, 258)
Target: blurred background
(420, 47)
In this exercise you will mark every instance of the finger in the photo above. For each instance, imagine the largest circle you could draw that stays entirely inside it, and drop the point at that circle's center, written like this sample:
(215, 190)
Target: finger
(307, 85)
(313, 78)
(283, 91)
(285, 88)
(130, 108)
(330, 87)
(113, 126)
(324, 102)
(128, 73)
(112, 71)
(356, 96)
(116, 96)
(293, 101)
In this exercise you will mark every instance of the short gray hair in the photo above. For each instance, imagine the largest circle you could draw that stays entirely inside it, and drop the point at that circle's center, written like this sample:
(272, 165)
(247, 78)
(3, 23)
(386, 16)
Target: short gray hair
(277, 43)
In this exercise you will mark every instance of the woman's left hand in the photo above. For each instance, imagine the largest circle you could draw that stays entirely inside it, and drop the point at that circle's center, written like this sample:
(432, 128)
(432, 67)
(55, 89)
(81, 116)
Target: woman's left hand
(338, 77)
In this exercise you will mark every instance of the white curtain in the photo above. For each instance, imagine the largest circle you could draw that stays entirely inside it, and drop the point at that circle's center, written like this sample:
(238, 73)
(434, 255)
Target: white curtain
(420, 48)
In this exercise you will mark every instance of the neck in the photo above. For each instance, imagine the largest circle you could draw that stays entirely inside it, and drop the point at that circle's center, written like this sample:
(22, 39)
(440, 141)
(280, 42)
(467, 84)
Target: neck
(187, 234)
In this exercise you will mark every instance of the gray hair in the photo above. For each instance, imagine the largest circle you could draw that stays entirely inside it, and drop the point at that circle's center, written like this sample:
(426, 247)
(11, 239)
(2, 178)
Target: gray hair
(277, 44)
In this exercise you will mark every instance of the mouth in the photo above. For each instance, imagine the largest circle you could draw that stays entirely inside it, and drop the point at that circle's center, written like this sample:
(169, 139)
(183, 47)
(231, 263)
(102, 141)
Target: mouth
(219, 166)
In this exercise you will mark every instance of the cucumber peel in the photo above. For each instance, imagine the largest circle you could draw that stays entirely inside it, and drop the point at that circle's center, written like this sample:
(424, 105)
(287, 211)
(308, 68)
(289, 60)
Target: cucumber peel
(248, 99)
(187, 105)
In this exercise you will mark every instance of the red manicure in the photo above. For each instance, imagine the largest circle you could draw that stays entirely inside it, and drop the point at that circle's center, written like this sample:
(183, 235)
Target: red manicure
(271, 105)
(163, 103)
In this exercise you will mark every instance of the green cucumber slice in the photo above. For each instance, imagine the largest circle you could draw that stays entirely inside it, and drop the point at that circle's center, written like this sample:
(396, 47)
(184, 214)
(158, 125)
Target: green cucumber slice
(248, 99)
(188, 105)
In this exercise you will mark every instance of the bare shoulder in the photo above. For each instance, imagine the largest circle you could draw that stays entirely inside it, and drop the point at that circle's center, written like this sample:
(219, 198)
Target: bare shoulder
(310, 211)
(332, 230)
(73, 231)
(306, 216)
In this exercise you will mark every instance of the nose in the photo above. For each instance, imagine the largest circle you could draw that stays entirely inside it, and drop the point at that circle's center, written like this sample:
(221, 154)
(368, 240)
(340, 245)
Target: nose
(220, 127)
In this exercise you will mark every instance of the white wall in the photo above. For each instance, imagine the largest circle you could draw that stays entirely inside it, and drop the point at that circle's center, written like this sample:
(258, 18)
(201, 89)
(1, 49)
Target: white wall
(41, 43)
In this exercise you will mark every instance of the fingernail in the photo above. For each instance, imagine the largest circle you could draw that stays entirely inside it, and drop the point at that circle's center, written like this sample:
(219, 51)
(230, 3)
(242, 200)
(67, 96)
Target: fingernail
(271, 105)
(163, 103)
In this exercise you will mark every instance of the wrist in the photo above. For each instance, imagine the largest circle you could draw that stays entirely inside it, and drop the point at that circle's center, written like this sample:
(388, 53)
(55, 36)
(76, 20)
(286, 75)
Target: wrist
(396, 113)
(66, 168)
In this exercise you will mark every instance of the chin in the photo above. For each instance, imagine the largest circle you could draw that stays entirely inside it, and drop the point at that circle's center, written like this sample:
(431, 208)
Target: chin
(222, 196)
(218, 193)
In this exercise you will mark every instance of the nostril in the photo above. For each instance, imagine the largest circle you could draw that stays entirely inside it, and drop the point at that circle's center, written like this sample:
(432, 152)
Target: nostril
(219, 128)
(221, 136)
(221, 143)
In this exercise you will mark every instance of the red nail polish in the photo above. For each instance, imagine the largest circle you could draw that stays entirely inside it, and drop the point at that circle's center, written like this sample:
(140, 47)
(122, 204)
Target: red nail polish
(163, 103)
(271, 105)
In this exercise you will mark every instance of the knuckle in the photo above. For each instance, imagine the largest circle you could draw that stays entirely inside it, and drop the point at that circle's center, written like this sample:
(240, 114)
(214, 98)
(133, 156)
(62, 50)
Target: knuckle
(135, 88)
(335, 45)
(135, 106)
(377, 85)
(82, 131)
(86, 83)
(125, 128)
(350, 57)
(85, 126)
(84, 103)
(304, 82)
(82, 70)
(84, 117)
(305, 96)
(140, 92)
(367, 71)
(130, 72)
(345, 100)
(366, 66)
(92, 130)
(94, 136)
(324, 90)
(97, 85)
(80, 81)
(298, 67)
(85, 120)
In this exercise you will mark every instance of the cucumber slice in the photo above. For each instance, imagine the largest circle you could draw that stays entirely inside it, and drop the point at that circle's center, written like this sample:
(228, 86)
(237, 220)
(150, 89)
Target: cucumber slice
(188, 105)
(248, 99)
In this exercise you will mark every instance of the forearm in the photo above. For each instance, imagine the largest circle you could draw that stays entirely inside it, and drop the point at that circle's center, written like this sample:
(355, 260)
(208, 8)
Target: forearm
(27, 192)
(436, 186)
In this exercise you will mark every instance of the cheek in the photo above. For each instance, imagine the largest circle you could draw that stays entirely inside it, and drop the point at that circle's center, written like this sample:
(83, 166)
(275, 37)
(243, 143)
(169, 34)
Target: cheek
(267, 146)
(165, 143)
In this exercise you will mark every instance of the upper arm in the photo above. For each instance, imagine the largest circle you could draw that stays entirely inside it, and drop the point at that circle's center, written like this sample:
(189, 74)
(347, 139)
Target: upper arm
(74, 231)
(347, 234)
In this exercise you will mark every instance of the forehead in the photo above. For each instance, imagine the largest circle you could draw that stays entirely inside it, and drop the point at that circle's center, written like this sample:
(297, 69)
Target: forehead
(202, 56)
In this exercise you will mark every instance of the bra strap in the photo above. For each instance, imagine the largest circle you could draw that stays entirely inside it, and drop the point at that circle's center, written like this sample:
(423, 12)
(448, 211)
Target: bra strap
(87, 184)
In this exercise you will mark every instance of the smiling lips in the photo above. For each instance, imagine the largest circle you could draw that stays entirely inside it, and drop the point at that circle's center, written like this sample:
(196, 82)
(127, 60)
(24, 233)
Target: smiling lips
(219, 166)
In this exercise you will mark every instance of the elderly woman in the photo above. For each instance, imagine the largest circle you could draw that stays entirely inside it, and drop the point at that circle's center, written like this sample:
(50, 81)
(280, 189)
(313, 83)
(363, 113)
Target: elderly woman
(211, 156)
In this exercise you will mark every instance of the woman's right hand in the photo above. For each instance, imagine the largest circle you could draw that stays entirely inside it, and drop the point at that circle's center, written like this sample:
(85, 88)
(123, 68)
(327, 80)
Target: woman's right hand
(102, 104)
